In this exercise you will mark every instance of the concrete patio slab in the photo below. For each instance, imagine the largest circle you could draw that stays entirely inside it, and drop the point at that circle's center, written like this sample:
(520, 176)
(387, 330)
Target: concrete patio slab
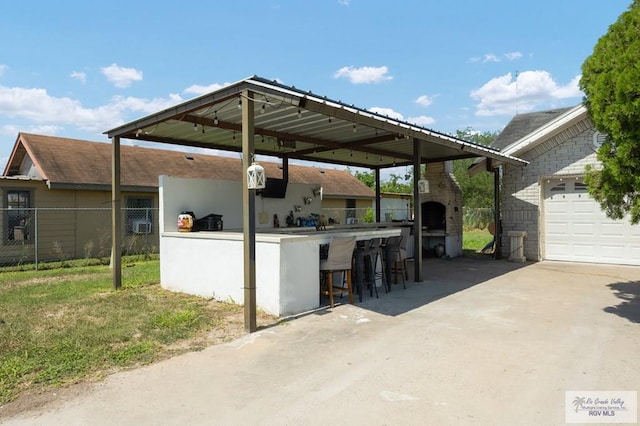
(478, 342)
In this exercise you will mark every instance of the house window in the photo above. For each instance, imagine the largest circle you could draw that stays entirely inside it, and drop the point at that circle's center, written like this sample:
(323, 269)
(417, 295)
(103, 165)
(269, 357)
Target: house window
(19, 215)
(580, 187)
(139, 215)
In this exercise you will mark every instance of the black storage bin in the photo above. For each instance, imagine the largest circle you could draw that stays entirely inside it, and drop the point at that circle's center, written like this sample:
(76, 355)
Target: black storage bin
(211, 222)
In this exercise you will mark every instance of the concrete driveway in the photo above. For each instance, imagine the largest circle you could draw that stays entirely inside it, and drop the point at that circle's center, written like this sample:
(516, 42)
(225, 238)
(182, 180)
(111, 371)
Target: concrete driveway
(478, 342)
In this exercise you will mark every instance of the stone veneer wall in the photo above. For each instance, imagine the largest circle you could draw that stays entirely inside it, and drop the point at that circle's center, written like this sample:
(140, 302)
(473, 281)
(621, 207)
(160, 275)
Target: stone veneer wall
(444, 189)
(565, 154)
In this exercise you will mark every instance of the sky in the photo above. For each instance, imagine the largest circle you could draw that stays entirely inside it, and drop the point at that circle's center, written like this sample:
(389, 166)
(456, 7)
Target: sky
(78, 68)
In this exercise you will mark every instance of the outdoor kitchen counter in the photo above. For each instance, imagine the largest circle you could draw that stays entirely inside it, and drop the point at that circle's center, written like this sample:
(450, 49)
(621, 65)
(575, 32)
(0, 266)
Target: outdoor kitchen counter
(211, 264)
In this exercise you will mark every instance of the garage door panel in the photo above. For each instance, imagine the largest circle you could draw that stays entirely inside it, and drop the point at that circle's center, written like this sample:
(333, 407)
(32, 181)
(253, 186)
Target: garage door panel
(582, 206)
(558, 206)
(556, 251)
(557, 229)
(635, 251)
(583, 228)
(616, 230)
(612, 251)
(576, 229)
(583, 249)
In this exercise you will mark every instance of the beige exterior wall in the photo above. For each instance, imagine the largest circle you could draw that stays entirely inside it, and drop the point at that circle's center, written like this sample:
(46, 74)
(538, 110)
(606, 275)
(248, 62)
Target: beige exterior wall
(336, 208)
(75, 224)
(69, 224)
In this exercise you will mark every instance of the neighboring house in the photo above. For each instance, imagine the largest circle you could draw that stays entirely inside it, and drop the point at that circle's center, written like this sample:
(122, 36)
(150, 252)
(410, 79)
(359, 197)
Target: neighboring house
(395, 206)
(548, 198)
(70, 180)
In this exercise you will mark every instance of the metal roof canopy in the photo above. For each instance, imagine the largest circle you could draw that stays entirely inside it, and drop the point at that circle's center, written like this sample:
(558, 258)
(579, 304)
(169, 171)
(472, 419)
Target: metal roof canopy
(255, 116)
(299, 125)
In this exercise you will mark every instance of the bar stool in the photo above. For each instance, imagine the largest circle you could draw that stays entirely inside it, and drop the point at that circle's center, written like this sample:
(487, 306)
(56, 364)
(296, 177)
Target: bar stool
(339, 259)
(395, 260)
(374, 255)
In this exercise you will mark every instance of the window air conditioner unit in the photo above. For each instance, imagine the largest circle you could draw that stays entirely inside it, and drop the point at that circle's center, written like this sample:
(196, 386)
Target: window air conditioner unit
(141, 226)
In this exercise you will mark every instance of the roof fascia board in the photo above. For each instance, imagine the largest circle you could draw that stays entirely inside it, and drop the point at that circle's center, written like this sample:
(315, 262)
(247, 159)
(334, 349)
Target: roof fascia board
(181, 109)
(547, 130)
(100, 187)
(13, 155)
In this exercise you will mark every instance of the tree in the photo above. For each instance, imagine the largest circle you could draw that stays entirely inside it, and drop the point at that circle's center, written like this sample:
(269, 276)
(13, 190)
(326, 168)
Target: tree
(609, 81)
(368, 178)
(397, 185)
(477, 190)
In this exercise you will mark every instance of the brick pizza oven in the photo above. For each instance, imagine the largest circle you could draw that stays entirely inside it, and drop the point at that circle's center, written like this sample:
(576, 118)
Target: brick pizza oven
(441, 219)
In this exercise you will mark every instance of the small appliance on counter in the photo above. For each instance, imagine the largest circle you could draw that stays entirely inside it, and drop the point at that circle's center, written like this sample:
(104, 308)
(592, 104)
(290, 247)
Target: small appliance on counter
(186, 221)
(210, 222)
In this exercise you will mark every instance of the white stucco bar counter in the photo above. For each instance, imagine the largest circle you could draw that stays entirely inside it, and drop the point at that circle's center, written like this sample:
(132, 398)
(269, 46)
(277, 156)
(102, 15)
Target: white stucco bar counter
(210, 264)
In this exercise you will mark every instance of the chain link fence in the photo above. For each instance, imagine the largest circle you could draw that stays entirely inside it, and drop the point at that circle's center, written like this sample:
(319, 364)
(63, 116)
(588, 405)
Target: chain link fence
(477, 218)
(32, 236)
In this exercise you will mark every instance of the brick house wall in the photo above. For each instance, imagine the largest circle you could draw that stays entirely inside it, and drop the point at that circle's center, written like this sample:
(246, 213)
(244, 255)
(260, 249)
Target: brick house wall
(564, 155)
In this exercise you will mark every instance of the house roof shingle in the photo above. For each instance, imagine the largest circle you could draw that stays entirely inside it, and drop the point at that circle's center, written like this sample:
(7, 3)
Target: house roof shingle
(65, 162)
(523, 124)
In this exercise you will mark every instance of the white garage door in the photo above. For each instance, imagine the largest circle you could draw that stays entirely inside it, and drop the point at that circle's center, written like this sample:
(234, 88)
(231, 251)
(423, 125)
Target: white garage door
(577, 230)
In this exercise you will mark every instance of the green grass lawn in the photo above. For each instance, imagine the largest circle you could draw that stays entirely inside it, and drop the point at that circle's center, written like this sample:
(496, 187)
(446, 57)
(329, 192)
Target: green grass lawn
(66, 325)
(475, 239)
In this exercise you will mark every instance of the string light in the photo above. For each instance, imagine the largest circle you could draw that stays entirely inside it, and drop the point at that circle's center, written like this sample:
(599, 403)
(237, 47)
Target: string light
(195, 127)
(263, 108)
(215, 117)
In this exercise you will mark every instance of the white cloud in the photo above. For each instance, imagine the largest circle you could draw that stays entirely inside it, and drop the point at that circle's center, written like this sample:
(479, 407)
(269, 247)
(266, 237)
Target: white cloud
(530, 90)
(344, 2)
(512, 56)
(198, 89)
(424, 100)
(122, 104)
(492, 57)
(40, 108)
(387, 112)
(46, 129)
(364, 75)
(421, 120)
(80, 76)
(3, 68)
(120, 76)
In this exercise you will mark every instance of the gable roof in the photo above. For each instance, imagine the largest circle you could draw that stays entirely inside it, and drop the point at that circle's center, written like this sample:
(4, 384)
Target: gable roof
(526, 131)
(300, 125)
(523, 124)
(74, 163)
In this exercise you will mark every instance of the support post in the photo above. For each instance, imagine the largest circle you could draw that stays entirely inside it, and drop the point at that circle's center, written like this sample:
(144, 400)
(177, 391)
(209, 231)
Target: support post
(497, 233)
(417, 212)
(376, 175)
(116, 215)
(248, 213)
